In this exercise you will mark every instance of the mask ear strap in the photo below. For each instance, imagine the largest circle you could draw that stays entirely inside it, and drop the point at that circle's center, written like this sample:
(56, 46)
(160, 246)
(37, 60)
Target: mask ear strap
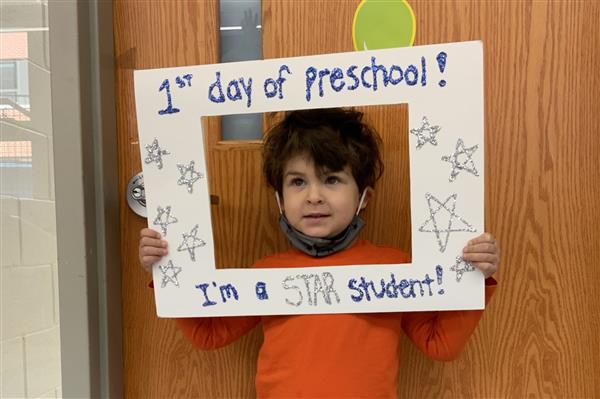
(362, 198)
(278, 202)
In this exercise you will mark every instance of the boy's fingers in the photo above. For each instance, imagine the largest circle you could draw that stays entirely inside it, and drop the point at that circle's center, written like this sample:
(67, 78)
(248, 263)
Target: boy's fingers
(153, 251)
(152, 242)
(482, 247)
(485, 237)
(482, 251)
(480, 257)
(149, 233)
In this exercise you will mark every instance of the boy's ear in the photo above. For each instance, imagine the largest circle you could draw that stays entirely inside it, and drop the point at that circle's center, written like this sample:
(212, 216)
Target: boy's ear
(368, 193)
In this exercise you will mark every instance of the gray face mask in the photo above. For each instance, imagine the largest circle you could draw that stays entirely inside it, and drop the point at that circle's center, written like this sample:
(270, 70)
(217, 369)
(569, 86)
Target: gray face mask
(319, 247)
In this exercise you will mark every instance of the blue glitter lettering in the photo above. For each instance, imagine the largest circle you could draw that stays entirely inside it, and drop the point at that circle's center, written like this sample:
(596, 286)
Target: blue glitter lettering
(221, 97)
(365, 287)
(336, 74)
(229, 290)
(207, 302)
(391, 289)
(411, 69)
(261, 291)
(180, 82)
(441, 59)
(362, 77)
(402, 286)
(281, 79)
(170, 109)
(350, 73)
(247, 90)
(428, 280)
(382, 293)
(322, 74)
(439, 271)
(237, 94)
(423, 72)
(395, 68)
(375, 68)
(412, 287)
(270, 93)
(311, 76)
(352, 285)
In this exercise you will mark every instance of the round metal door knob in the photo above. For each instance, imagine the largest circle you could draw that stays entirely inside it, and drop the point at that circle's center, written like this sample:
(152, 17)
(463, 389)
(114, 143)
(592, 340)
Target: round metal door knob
(136, 195)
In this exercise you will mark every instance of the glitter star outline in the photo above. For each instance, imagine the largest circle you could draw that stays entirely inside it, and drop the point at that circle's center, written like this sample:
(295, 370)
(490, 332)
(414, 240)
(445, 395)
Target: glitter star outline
(196, 242)
(462, 266)
(193, 175)
(169, 278)
(426, 133)
(155, 154)
(164, 218)
(453, 216)
(467, 164)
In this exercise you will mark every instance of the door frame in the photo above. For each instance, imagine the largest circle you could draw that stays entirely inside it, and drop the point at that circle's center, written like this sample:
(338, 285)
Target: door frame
(86, 197)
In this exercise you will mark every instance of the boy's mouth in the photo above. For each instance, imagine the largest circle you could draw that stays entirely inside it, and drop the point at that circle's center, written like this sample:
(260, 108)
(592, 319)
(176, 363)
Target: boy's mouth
(316, 215)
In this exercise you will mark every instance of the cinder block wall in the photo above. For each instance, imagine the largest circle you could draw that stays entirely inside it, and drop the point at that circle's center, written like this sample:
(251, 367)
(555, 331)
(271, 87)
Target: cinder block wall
(30, 320)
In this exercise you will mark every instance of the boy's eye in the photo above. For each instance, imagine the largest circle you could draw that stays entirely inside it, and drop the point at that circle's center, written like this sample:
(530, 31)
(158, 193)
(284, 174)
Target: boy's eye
(297, 182)
(332, 180)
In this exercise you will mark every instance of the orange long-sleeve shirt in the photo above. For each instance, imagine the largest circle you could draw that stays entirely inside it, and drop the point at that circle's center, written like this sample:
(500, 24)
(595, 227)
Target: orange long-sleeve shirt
(337, 355)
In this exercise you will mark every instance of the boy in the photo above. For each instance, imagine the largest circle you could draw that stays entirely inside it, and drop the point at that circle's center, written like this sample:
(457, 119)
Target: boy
(323, 165)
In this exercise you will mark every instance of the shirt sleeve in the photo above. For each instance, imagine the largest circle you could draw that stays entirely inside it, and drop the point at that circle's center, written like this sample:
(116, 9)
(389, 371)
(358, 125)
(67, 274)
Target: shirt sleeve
(442, 335)
(208, 333)
(215, 332)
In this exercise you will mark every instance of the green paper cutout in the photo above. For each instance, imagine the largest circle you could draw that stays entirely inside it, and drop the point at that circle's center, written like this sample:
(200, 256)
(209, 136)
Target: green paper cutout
(383, 24)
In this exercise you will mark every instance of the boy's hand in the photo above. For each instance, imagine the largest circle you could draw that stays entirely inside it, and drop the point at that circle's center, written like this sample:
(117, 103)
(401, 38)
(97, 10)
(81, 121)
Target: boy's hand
(151, 249)
(483, 253)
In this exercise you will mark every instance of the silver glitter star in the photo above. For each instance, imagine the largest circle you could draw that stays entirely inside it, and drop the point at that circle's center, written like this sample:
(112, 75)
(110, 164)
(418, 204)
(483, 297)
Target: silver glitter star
(461, 266)
(155, 154)
(188, 175)
(164, 218)
(426, 133)
(436, 226)
(169, 274)
(461, 159)
(191, 242)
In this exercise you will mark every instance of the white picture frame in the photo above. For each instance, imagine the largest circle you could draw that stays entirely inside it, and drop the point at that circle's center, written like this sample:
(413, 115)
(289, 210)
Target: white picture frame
(443, 87)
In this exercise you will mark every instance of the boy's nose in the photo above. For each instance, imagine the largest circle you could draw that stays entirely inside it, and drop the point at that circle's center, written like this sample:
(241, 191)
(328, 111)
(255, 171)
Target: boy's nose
(314, 196)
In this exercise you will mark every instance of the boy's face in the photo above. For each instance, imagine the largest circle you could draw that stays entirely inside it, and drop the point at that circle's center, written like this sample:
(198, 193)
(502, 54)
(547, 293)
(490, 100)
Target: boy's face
(318, 206)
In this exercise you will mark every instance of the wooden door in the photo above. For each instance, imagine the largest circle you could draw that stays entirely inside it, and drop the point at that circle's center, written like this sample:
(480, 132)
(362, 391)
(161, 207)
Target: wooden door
(539, 337)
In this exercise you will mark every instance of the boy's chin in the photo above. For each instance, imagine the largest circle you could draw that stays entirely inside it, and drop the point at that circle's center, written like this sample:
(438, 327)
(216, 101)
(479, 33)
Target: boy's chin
(318, 233)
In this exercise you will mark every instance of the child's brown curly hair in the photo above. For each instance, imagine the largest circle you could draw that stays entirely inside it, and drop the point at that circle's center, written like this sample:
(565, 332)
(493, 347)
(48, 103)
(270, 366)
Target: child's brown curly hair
(332, 138)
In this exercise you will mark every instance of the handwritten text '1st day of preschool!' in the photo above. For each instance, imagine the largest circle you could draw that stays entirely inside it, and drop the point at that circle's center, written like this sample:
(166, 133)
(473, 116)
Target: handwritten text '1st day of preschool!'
(319, 81)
